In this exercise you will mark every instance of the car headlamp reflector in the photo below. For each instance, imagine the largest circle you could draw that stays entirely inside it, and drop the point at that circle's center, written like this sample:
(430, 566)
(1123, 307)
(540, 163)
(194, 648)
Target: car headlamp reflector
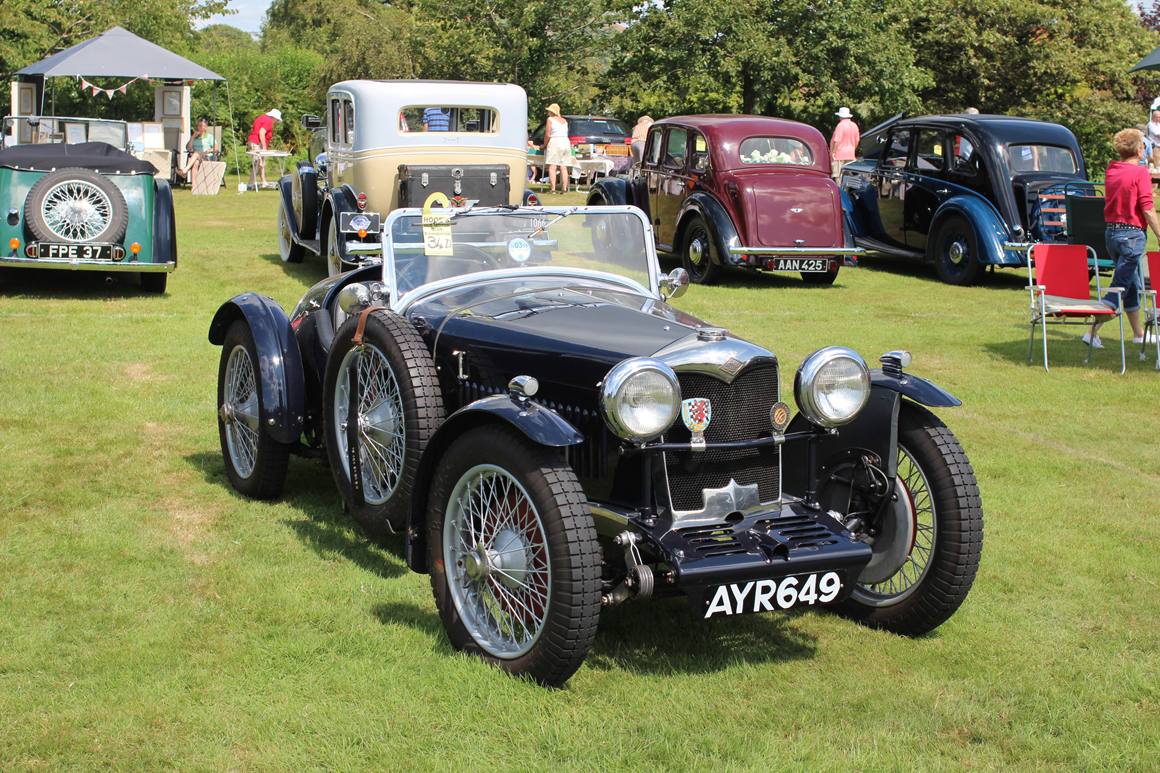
(831, 386)
(640, 398)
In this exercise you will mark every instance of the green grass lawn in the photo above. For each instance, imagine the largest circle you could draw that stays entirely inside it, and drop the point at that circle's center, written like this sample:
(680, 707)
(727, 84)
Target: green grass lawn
(151, 619)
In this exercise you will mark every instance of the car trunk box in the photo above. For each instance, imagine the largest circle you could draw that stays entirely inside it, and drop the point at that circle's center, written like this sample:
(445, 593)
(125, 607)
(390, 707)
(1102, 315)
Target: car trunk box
(796, 211)
(486, 183)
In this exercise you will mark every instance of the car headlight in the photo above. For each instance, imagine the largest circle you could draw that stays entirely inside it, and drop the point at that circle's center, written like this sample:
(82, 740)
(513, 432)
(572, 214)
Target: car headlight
(831, 386)
(640, 398)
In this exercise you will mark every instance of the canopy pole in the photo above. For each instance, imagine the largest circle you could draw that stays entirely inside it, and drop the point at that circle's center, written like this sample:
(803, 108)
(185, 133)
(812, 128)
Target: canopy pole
(233, 133)
(54, 97)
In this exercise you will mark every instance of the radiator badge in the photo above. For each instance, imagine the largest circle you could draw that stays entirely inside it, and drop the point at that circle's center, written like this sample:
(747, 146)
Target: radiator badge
(697, 412)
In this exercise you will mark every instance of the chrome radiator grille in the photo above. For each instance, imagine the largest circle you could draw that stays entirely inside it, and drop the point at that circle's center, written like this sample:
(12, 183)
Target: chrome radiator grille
(740, 412)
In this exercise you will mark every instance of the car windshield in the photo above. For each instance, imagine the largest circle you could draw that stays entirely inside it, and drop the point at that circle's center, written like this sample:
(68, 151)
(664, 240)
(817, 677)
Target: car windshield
(455, 244)
(591, 126)
(775, 150)
(1041, 158)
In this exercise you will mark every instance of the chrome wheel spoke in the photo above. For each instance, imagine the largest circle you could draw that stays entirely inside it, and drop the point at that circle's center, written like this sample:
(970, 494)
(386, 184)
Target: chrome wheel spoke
(76, 210)
(379, 413)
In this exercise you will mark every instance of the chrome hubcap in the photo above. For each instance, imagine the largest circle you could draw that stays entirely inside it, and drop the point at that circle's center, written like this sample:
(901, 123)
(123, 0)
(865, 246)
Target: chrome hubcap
(958, 251)
(697, 249)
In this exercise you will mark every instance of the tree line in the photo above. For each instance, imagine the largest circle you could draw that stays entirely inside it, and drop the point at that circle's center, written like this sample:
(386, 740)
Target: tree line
(800, 59)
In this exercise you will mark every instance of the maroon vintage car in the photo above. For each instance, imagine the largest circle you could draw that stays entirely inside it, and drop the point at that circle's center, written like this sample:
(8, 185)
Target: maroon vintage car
(736, 190)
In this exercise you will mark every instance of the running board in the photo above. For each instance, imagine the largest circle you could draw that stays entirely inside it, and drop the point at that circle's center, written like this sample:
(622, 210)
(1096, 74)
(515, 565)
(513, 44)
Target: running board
(877, 246)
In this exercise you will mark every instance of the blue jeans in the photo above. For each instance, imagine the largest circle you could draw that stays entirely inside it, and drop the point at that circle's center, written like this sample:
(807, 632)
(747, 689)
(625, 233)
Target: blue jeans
(1126, 247)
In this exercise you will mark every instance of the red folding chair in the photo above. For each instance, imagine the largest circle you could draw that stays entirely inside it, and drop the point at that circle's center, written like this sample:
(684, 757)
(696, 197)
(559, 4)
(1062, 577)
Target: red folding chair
(1147, 281)
(1061, 294)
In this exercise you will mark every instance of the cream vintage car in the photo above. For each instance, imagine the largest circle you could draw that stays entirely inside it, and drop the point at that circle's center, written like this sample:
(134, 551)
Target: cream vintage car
(390, 144)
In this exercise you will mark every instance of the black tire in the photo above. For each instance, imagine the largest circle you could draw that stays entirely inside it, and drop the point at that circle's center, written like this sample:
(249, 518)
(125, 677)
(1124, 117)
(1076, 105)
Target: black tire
(397, 376)
(612, 239)
(255, 463)
(109, 218)
(304, 193)
(948, 540)
(956, 252)
(697, 253)
(820, 279)
(548, 599)
(289, 250)
(154, 282)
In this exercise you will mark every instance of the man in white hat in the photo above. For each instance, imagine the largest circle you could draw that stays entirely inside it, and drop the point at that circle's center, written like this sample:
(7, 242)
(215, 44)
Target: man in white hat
(844, 143)
(259, 139)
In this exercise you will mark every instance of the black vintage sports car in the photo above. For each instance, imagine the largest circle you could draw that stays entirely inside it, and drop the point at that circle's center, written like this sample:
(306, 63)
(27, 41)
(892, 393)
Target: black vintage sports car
(511, 391)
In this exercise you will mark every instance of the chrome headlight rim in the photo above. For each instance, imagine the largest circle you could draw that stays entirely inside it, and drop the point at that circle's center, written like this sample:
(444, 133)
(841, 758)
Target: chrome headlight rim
(615, 381)
(806, 379)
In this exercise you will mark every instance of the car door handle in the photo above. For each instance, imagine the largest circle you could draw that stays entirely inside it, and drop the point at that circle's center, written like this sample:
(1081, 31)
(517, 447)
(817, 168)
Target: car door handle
(942, 191)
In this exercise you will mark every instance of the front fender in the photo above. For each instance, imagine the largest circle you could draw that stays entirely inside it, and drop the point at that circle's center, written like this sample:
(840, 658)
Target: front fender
(613, 191)
(720, 225)
(537, 423)
(990, 229)
(918, 389)
(286, 191)
(279, 361)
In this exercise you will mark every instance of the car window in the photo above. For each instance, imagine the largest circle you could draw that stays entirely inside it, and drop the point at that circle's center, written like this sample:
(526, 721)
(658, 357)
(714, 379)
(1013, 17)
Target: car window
(347, 122)
(965, 160)
(1041, 158)
(775, 150)
(931, 156)
(700, 152)
(335, 120)
(585, 127)
(675, 149)
(653, 153)
(443, 118)
(894, 155)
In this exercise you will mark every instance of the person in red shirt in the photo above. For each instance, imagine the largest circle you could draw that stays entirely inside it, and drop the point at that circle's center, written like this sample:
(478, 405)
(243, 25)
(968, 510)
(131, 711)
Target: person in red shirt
(259, 139)
(1128, 212)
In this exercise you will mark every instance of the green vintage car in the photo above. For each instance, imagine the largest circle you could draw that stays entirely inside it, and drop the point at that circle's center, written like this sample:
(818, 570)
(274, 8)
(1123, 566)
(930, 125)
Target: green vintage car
(86, 207)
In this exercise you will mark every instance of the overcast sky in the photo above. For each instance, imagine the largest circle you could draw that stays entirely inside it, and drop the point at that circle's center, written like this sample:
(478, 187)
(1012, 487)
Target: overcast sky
(248, 17)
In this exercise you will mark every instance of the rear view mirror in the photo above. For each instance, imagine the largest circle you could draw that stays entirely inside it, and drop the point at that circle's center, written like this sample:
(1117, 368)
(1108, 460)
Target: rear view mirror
(311, 122)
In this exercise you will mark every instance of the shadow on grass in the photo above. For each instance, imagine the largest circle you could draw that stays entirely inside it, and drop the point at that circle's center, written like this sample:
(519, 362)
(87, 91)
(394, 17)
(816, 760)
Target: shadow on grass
(324, 528)
(413, 616)
(663, 637)
(1013, 278)
(308, 273)
(1066, 350)
(63, 284)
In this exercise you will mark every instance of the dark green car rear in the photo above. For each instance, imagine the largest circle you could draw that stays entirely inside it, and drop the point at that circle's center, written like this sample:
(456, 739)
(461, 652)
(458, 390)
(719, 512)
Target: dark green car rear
(86, 207)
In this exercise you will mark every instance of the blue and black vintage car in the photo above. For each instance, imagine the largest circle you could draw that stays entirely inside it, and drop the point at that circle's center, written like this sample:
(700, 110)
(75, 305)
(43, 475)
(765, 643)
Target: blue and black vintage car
(552, 438)
(964, 191)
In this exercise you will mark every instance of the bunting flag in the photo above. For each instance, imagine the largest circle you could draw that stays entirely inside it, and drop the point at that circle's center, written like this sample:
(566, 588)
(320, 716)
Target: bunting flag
(85, 86)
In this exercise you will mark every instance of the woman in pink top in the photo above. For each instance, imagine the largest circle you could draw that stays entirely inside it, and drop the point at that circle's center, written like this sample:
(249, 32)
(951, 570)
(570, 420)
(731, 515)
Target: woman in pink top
(1128, 212)
(844, 143)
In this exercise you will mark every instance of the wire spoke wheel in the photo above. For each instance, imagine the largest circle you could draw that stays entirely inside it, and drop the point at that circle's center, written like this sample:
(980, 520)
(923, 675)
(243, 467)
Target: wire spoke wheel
(497, 561)
(241, 405)
(382, 432)
(913, 485)
(76, 210)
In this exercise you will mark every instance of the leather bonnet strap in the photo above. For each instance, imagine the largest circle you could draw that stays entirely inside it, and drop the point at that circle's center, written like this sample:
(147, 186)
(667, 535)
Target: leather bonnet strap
(362, 323)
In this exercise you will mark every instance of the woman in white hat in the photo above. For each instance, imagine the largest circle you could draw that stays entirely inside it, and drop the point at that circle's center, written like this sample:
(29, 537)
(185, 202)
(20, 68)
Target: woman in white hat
(844, 143)
(557, 147)
(259, 139)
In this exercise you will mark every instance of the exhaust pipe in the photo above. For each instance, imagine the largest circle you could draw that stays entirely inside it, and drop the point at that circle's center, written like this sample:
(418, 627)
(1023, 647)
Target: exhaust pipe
(109, 280)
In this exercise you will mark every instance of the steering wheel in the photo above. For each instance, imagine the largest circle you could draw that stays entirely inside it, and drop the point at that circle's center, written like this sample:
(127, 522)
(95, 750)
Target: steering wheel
(473, 253)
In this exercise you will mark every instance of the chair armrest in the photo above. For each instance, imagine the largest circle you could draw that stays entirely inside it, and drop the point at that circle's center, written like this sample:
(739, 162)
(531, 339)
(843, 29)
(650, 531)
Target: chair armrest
(1114, 289)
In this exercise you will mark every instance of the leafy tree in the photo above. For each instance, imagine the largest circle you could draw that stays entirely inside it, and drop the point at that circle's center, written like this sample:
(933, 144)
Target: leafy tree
(557, 51)
(791, 58)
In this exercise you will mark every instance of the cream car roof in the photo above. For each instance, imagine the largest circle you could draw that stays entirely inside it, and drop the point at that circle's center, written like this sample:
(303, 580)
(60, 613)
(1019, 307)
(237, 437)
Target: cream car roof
(377, 105)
